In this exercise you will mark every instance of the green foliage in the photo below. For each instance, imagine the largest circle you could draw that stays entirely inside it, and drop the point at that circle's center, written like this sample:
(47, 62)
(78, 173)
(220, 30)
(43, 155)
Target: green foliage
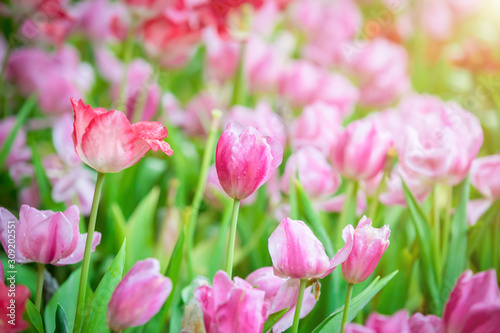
(34, 315)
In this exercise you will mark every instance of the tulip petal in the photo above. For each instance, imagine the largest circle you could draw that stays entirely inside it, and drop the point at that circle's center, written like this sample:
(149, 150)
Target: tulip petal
(77, 255)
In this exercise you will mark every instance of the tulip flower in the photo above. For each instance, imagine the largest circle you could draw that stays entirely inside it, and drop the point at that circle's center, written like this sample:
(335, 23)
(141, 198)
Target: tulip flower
(425, 324)
(231, 306)
(107, 142)
(484, 173)
(474, 304)
(139, 296)
(369, 244)
(9, 310)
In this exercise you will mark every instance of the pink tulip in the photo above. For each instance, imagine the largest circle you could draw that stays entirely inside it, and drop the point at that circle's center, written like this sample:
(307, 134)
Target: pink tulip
(106, 141)
(369, 244)
(298, 254)
(474, 304)
(245, 160)
(214, 190)
(394, 194)
(336, 203)
(377, 323)
(318, 126)
(360, 152)
(19, 151)
(45, 237)
(262, 118)
(281, 294)
(382, 69)
(222, 55)
(231, 306)
(9, 310)
(425, 324)
(476, 208)
(139, 296)
(484, 173)
(311, 168)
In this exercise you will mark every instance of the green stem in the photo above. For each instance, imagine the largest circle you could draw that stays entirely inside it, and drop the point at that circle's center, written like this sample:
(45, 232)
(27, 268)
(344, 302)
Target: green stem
(445, 237)
(39, 287)
(232, 238)
(80, 307)
(300, 297)
(200, 189)
(346, 306)
(495, 249)
(372, 210)
(437, 232)
(238, 95)
(348, 210)
(127, 55)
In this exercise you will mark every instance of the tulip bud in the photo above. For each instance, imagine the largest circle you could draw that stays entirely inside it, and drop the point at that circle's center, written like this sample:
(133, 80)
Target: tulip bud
(139, 296)
(45, 237)
(297, 253)
(245, 160)
(107, 142)
(369, 244)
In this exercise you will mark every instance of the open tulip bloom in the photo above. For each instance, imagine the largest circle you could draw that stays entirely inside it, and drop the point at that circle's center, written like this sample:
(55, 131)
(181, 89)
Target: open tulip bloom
(336, 166)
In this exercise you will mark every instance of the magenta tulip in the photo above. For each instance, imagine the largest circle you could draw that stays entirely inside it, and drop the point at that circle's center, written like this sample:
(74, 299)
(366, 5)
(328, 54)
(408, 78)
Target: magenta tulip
(107, 142)
(139, 296)
(474, 304)
(45, 237)
(231, 306)
(425, 324)
(245, 160)
(297, 253)
(369, 244)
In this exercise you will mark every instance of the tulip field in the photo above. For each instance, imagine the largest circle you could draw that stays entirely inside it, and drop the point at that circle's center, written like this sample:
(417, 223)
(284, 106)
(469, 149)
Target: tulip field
(250, 166)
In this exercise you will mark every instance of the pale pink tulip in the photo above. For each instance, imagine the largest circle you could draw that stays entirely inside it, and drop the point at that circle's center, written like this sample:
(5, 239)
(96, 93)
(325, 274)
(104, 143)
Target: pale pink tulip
(484, 173)
(476, 208)
(336, 203)
(369, 244)
(19, 151)
(139, 296)
(297, 253)
(394, 194)
(231, 306)
(46, 237)
(245, 159)
(474, 304)
(106, 141)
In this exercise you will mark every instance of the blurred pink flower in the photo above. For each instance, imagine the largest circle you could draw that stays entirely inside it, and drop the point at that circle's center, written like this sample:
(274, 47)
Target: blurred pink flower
(318, 126)
(245, 159)
(222, 55)
(262, 118)
(476, 208)
(398, 323)
(281, 294)
(474, 304)
(12, 301)
(19, 151)
(316, 175)
(369, 244)
(231, 306)
(382, 69)
(107, 142)
(361, 150)
(46, 237)
(425, 324)
(394, 194)
(484, 173)
(297, 253)
(336, 204)
(139, 296)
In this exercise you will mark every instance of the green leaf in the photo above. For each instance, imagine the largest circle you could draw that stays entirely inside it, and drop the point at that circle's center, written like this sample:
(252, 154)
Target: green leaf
(314, 220)
(61, 320)
(423, 235)
(95, 321)
(20, 119)
(292, 196)
(478, 231)
(273, 319)
(140, 227)
(173, 269)
(456, 261)
(334, 321)
(34, 315)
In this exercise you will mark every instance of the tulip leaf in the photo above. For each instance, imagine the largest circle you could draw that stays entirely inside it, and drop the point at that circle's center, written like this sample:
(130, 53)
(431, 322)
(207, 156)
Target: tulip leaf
(61, 320)
(217, 257)
(140, 228)
(314, 220)
(478, 231)
(333, 322)
(65, 296)
(173, 269)
(456, 261)
(34, 315)
(273, 319)
(95, 321)
(20, 118)
(423, 235)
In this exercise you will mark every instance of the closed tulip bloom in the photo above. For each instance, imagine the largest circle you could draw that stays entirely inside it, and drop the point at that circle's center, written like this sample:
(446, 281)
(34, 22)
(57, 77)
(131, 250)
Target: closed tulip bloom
(360, 152)
(139, 296)
(45, 237)
(474, 304)
(245, 160)
(484, 176)
(107, 142)
(425, 324)
(231, 306)
(377, 323)
(369, 244)
(297, 253)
